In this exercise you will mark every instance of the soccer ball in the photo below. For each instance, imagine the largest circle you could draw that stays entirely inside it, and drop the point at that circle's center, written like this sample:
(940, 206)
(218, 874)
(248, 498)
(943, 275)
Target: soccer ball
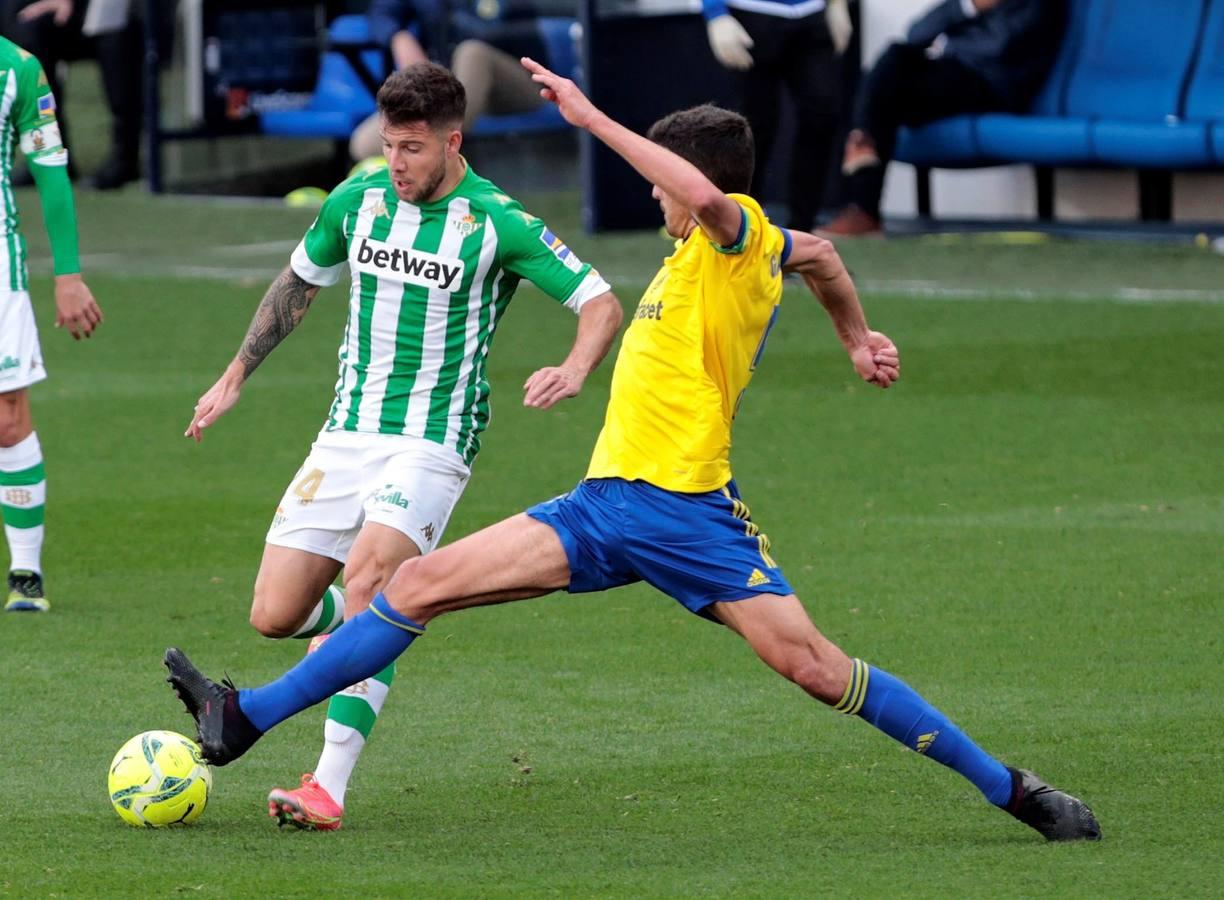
(159, 778)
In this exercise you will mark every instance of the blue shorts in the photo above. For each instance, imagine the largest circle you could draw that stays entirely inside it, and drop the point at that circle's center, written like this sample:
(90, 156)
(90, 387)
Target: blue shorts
(698, 548)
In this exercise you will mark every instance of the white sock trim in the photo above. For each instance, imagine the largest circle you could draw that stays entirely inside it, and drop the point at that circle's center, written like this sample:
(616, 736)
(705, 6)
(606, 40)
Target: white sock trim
(25, 548)
(22, 455)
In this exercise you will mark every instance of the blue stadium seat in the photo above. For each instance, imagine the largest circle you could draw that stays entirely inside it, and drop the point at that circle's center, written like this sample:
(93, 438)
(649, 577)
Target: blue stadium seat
(1136, 84)
(341, 99)
(946, 143)
(1039, 140)
(1205, 93)
(1134, 62)
(1044, 136)
(1113, 96)
(1216, 134)
(558, 36)
(1134, 59)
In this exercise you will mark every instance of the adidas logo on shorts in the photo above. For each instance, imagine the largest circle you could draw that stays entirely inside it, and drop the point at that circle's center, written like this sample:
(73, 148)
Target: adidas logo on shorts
(757, 578)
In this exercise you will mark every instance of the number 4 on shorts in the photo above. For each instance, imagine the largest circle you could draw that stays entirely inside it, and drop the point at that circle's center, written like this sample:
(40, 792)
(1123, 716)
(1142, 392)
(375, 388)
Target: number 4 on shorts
(308, 485)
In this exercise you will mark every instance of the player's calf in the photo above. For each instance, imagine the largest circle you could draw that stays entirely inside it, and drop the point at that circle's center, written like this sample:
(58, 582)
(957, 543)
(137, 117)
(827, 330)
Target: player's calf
(821, 678)
(418, 588)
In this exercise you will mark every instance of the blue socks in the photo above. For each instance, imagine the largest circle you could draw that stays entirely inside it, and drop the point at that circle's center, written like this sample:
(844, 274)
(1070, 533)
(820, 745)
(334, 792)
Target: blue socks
(369, 642)
(358, 649)
(899, 711)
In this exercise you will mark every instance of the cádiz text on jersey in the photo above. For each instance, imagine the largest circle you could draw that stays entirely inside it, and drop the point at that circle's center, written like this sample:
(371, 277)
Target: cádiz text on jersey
(417, 267)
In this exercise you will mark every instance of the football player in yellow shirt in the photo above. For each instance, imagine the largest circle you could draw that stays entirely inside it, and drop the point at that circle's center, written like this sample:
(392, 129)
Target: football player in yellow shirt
(659, 504)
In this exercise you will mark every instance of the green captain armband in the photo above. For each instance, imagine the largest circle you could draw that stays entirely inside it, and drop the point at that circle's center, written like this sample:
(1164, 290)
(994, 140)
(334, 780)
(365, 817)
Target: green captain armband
(59, 213)
(740, 239)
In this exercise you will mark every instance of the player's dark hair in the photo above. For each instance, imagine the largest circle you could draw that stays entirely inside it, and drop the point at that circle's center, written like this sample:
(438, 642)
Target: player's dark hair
(716, 140)
(423, 92)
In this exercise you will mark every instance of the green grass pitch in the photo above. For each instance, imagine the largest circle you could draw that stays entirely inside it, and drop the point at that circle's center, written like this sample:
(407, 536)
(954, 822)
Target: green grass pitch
(1027, 529)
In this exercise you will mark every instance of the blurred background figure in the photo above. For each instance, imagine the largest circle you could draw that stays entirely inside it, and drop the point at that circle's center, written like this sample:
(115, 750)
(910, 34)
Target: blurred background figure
(963, 56)
(791, 45)
(402, 26)
(58, 31)
(487, 38)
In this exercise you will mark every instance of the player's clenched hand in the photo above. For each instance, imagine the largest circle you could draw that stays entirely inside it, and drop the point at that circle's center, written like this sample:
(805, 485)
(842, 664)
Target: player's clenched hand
(218, 400)
(546, 386)
(573, 105)
(75, 306)
(877, 360)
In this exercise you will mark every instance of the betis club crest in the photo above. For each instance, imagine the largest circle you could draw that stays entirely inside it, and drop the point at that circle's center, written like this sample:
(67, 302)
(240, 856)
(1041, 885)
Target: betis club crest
(467, 225)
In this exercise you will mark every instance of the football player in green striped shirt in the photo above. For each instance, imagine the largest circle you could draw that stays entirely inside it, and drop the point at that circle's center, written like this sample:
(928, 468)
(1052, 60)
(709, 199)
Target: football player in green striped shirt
(27, 118)
(434, 254)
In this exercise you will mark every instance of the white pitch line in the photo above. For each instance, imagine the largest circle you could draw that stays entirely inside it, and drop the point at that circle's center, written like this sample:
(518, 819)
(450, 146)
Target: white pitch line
(915, 288)
(285, 247)
(220, 273)
(932, 290)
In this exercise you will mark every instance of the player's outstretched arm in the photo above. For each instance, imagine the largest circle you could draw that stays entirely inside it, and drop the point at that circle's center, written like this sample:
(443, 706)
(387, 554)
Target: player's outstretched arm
(874, 355)
(280, 311)
(718, 215)
(598, 322)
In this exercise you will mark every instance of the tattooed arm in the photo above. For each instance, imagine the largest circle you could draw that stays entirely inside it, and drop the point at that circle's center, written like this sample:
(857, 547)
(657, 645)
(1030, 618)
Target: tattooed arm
(280, 311)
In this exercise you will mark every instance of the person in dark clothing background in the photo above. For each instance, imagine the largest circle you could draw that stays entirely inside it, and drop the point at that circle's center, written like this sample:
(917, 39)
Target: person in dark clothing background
(65, 30)
(963, 56)
(482, 40)
(792, 45)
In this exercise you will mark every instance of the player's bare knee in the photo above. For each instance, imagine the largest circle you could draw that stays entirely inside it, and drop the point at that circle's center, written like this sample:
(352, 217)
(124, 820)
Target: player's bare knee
(413, 591)
(14, 422)
(405, 584)
(817, 677)
(271, 623)
(271, 618)
(10, 432)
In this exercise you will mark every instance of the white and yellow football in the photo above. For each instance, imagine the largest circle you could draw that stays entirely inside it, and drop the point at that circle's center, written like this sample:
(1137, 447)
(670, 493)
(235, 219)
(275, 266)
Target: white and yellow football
(159, 778)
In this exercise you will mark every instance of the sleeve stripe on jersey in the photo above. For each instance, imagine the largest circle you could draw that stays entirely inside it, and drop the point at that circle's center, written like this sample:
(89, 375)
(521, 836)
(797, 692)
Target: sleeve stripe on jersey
(311, 273)
(589, 288)
(788, 244)
(740, 239)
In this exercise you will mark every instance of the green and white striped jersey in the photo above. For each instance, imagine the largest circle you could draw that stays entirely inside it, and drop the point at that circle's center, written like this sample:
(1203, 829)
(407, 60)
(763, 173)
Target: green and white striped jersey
(430, 281)
(27, 115)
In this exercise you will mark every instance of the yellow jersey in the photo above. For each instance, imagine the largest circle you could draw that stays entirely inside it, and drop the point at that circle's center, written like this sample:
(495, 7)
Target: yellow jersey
(688, 355)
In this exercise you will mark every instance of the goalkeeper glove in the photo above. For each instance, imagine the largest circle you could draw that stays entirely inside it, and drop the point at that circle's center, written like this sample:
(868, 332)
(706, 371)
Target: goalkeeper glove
(730, 42)
(837, 18)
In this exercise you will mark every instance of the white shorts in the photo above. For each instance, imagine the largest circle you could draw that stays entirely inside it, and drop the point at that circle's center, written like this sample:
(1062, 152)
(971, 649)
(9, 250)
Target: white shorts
(21, 363)
(350, 478)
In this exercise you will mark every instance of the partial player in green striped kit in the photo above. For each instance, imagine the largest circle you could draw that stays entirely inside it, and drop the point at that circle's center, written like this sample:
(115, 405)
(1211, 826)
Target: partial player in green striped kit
(27, 118)
(434, 254)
